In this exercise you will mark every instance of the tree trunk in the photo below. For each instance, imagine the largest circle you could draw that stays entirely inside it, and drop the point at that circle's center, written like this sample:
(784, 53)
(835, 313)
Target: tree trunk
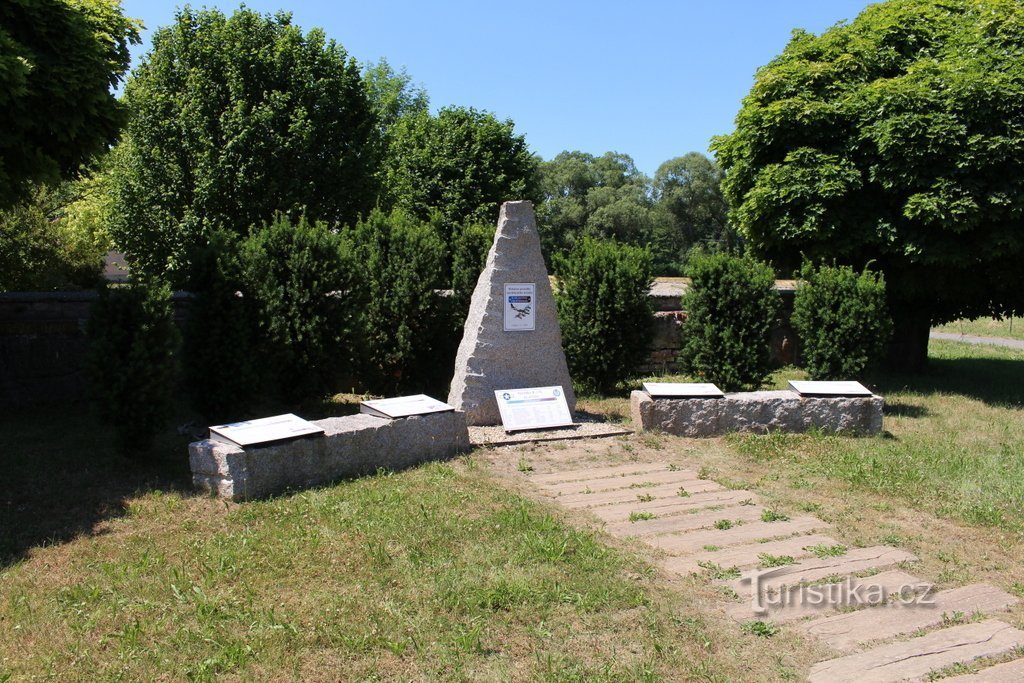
(908, 349)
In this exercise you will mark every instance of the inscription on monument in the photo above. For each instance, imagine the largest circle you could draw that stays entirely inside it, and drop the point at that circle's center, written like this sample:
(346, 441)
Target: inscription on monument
(520, 306)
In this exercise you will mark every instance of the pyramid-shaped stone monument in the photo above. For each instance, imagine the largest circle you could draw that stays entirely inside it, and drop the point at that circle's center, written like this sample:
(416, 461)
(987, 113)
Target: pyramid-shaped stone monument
(512, 339)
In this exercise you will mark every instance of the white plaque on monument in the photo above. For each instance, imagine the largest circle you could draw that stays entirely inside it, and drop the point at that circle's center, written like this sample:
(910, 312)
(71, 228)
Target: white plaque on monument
(806, 388)
(682, 390)
(403, 406)
(520, 306)
(534, 408)
(264, 430)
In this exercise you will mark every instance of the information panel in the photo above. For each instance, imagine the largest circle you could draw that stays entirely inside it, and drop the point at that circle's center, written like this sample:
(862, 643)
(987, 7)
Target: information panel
(682, 390)
(264, 430)
(807, 388)
(520, 306)
(534, 408)
(404, 406)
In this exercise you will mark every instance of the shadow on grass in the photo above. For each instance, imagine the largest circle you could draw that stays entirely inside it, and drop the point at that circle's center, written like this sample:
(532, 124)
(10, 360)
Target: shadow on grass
(62, 476)
(901, 409)
(994, 381)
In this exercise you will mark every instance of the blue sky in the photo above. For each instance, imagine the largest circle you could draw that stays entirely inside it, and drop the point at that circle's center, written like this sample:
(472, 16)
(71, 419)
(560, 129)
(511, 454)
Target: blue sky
(652, 79)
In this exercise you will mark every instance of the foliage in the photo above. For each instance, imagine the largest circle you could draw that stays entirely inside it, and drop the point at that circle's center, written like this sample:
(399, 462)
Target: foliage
(601, 197)
(233, 121)
(58, 61)
(47, 243)
(604, 311)
(894, 138)
(841, 320)
(462, 163)
(470, 247)
(730, 307)
(131, 361)
(221, 370)
(407, 323)
(691, 211)
(305, 295)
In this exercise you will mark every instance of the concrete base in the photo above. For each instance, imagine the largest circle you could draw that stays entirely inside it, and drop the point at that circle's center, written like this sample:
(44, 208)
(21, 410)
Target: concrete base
(758, 412)
(351, 446)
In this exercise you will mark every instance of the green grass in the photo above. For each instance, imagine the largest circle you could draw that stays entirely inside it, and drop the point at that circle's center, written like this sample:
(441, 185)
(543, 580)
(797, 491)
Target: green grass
(953, 441)
(1007, 328)
(767, 560)
(114, 570)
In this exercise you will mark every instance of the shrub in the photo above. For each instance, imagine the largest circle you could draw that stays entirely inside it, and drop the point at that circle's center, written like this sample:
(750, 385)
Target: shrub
(306, 296)
(407, 323)
(842, 321)
(730, 307)
(604, 311)
(131, 361)
(470, 245)
(222, 378)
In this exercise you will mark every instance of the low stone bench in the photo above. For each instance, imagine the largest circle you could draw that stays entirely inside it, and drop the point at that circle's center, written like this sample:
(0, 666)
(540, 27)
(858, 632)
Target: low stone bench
(758, 412)
(351, 446)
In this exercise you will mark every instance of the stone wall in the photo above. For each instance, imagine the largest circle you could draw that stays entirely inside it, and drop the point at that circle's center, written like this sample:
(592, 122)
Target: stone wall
(43, 345)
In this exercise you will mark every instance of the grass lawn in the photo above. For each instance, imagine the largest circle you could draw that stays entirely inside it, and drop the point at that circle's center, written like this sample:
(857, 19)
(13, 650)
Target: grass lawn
(1008, 328)
(114, 570)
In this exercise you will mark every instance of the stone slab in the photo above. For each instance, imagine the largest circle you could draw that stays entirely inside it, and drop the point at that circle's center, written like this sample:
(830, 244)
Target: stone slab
(1008, 672)
(490, 358)
(677, 519)
(670, 491)
(680, 544)
(688, 506)
(351, 446)
(898, 617)
(623, 482)
(497, 436)
(850, 592)
(757, 412)
(599, 472)
(747, 555)
(916, 657)
(855, 560)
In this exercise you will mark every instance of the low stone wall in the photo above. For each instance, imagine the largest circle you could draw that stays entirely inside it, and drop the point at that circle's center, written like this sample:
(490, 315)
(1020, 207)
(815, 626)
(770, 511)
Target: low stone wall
(351, 446)
(757, 412)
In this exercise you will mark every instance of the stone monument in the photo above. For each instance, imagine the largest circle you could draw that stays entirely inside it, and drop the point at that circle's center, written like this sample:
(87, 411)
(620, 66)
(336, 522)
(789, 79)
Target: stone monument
(512, 339)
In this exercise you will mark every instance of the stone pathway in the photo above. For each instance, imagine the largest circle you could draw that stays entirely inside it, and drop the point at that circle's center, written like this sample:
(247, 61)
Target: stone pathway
(883, 623)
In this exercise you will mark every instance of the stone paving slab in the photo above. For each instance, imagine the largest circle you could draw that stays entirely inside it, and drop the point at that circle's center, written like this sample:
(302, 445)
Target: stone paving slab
(622, 482)
(598, 472)
(744, 533)
(1010, 672)
(586, 500)
(846, 593)
(747, 555)
(917, 657)
(665, 507)
(856, 560)
(497, 436)
(846, 631)
(685, 522)
(692, 505)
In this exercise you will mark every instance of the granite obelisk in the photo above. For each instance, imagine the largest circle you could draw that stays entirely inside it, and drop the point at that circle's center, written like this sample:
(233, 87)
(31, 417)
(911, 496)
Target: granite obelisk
(499, 350)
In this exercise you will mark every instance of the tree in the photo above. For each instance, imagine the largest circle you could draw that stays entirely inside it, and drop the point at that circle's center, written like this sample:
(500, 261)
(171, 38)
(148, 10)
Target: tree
(604, 311)
(841, 320)
(691, 211)
(730, 308)
(58, 62)
(462, 163)
(894, 138)
(583, 195)
(233, 121)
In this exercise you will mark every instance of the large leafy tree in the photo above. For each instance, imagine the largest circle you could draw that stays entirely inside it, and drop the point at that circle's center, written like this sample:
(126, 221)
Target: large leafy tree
(235, 119)
(899, 138)
(601, 197)
(462, 163)
(59, 60)
(691, 210)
